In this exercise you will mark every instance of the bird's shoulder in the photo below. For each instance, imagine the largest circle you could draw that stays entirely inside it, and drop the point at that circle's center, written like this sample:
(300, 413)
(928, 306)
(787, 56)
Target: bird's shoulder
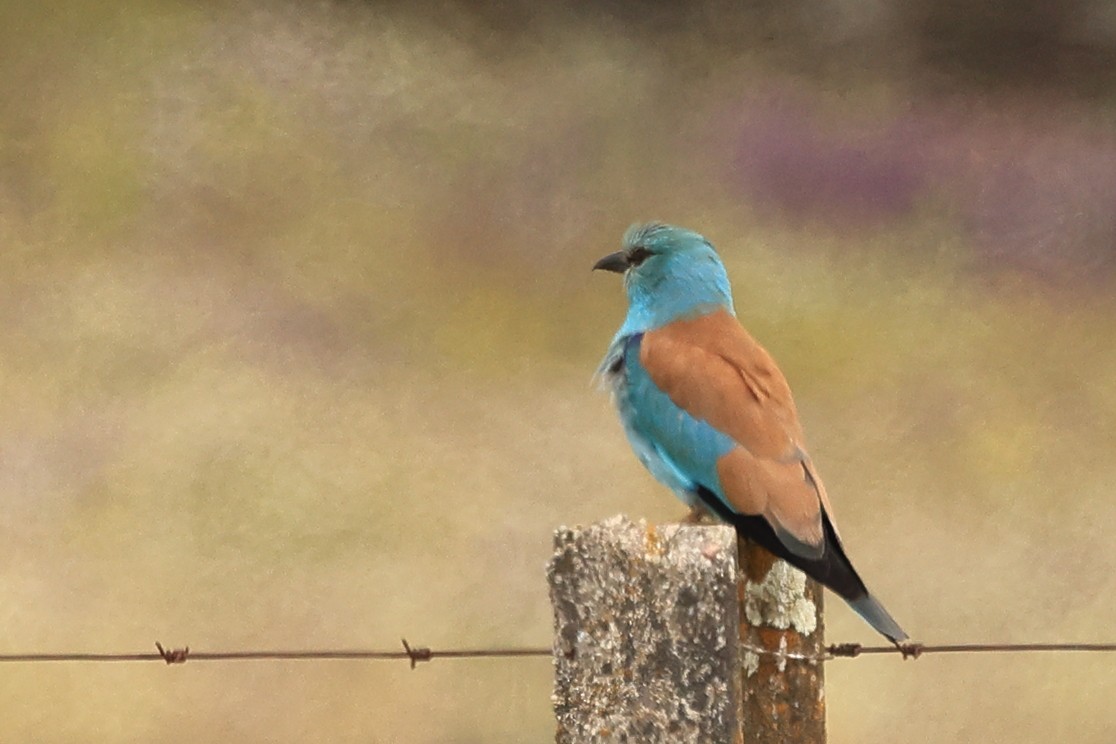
(612, 372)
(711, 367)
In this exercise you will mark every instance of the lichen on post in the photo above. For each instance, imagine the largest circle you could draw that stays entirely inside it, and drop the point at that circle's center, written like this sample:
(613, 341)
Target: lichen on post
(646, 645)
(680, 633)
(784, 698)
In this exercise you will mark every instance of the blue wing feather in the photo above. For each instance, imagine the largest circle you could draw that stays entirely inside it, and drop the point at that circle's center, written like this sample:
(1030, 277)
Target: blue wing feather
(678, 449)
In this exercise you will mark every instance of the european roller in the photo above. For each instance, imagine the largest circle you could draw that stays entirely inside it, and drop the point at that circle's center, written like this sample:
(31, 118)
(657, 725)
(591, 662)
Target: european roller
(710, 415)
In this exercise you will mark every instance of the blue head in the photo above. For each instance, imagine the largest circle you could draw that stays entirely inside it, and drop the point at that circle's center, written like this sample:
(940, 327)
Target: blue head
(670, 273)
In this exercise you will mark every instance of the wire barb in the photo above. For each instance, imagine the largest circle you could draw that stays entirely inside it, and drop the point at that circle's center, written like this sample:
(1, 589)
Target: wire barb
(910, 649)
(173, 655)
(417, 654)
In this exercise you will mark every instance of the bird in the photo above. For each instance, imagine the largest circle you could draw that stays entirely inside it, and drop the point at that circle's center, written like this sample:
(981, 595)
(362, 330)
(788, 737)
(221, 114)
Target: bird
(708, 413)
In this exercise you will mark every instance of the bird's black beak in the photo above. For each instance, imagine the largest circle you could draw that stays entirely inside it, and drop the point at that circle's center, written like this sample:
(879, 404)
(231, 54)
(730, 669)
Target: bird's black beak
(614, 262)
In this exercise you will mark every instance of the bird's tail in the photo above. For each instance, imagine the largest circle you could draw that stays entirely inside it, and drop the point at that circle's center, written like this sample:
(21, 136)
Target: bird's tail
(879, 618)
(833, 568)
(840, 576)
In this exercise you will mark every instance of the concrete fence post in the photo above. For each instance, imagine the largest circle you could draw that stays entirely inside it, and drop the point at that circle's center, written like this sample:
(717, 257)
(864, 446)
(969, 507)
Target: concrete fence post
(652, 631)
(784, 699)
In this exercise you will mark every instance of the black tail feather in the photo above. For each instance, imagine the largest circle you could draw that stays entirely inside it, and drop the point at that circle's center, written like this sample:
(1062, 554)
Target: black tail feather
(833, 569)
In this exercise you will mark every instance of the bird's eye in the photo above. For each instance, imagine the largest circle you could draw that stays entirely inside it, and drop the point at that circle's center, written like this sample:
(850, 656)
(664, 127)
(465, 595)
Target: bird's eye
(638, 255)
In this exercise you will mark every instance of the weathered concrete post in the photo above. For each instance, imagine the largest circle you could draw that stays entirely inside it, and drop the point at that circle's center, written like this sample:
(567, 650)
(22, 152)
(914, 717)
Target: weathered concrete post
(784, 698)
(647, 643)
(656, 631)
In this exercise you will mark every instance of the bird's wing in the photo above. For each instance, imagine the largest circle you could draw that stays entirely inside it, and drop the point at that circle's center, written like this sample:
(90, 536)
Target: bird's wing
(715, 372)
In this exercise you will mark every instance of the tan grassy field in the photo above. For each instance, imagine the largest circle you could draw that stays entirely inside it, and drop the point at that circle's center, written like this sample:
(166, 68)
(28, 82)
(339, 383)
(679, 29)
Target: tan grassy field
(298, 329)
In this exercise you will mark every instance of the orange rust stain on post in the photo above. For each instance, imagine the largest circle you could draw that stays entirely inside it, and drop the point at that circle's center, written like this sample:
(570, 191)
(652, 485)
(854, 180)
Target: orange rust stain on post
(651, 539)
(783, 699)
(759, 561)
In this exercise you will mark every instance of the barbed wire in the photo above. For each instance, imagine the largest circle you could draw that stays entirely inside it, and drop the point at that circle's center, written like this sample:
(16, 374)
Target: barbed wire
(413, 654)
(417, 654)
(911, 650)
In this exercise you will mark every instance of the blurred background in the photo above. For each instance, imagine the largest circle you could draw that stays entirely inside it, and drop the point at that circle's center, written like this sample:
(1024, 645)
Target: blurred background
(298, 329)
